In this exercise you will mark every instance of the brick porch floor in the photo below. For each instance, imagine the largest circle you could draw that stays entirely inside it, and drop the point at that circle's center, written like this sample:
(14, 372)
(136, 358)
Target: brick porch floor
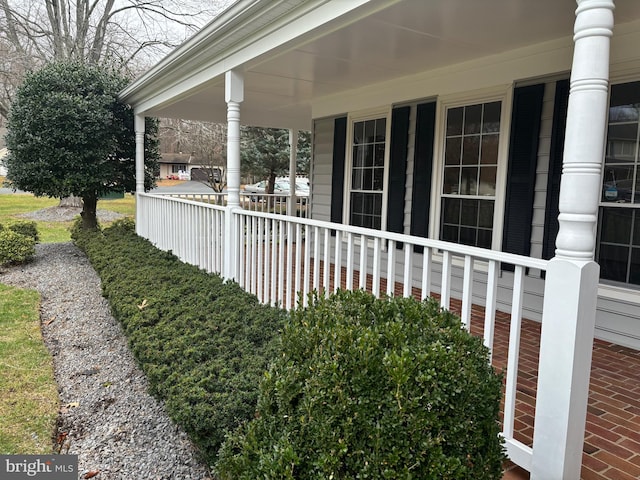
(612, 439)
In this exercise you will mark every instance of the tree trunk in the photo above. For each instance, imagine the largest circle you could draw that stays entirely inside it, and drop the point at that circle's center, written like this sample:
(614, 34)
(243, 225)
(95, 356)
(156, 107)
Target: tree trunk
(88, 214)
(71, 201)
(271, 182)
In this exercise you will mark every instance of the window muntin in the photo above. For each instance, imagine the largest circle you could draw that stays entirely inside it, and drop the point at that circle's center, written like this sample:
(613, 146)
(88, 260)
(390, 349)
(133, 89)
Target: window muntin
(618, 251)
(472, 137)
(368, 152)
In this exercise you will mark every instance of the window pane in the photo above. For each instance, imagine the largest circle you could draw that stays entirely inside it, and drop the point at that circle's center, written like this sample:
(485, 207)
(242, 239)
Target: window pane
(356, 179)
(484, 238)
(491, 120)
(467, 236)
(636, 230)
(367, 179)
(378, 178)
(621, 143)
(450, 233)
(379, 155)
(358, 156)
(624, 95)
(472, 119)
(489, 150)
(369, 131)
(613, 262)
(454, 121)
(469, 212)
(453, 151)
(487, 181)
(451, 210)
(381, 126)
(358, 133)
(469, 181)
(616, 225)
(368, 155)
(618, 184)
(634, 272)
(471, 150)
(451, 180)
(485, 213)
(356, 202)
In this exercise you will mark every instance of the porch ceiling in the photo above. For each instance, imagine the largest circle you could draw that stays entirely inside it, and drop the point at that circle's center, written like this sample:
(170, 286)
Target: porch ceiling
(376, 41)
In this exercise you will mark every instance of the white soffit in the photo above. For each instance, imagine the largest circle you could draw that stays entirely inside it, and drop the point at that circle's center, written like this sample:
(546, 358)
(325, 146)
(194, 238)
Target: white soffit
(376, 42)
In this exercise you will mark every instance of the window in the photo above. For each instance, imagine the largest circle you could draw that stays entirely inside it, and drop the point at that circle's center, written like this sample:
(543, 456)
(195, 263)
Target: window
(472, 137)
(177, 168)
(368, 153)
(618, 251)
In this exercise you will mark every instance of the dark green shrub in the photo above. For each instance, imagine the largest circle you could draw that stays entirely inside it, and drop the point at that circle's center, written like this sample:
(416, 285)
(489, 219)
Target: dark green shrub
(370, 388)
(203, 343)
(15, 248)
(27, 228)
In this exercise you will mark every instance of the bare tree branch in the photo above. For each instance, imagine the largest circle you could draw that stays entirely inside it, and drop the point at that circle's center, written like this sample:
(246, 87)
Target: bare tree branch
(129, 34)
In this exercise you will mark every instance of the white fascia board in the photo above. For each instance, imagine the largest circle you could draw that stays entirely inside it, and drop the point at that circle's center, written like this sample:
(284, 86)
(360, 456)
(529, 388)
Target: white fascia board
(259, 27)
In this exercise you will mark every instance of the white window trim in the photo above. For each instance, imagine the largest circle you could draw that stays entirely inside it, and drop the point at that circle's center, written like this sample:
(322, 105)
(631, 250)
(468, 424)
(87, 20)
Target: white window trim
(497, 94)
(370, 114)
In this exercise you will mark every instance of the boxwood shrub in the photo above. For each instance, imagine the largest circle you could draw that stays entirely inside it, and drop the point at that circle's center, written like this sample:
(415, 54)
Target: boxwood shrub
(27, 228)
(372, 388)
(15, 247)
(203, 343)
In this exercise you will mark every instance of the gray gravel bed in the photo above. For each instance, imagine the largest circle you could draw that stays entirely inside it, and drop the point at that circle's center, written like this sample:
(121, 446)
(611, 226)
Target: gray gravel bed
(110, 421)
(64, 214)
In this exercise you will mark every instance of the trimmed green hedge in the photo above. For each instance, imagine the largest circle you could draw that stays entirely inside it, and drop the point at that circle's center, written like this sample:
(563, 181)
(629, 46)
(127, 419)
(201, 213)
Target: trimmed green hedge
(350, 387)
(203, 343)
(28, 228)
(15, 248)
(372, 388)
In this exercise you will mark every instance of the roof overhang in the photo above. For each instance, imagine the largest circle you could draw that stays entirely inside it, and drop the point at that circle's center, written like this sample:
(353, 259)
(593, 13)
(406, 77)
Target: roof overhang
(295, 53)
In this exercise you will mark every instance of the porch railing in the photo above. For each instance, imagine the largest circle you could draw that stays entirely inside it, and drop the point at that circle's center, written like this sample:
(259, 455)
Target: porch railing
(255, 202)
(277, 256)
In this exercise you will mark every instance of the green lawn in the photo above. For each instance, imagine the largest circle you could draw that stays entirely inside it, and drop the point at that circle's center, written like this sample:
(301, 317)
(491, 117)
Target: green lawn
(29, 400)
(12, 205)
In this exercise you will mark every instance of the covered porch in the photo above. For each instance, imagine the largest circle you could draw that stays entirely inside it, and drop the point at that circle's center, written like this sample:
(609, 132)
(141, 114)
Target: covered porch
(298, 64)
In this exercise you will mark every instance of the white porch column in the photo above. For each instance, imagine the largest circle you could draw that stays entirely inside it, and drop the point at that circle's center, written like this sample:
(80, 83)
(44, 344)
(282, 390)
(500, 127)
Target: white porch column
(139, 128)
(293, 153)
(234, 95)
(572, 278)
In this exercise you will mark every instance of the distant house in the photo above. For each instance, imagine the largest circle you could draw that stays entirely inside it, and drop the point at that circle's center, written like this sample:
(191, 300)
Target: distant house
(172, 165)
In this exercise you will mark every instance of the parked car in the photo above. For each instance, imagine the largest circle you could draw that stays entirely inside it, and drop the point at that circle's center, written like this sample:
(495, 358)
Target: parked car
(281, 187)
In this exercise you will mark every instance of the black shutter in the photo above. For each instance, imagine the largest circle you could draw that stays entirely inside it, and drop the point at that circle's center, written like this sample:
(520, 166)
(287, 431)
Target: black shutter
(422, 170)
(337, 173)
(397, 168)
(521, 173)
(552, 210)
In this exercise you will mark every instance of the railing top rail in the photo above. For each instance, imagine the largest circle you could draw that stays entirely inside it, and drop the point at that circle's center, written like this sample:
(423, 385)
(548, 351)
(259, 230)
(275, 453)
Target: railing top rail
(454, 248)
(183, 200)
(245, 194)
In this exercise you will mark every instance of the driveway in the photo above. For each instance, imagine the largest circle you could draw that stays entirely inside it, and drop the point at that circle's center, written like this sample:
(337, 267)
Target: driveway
(186, 187)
